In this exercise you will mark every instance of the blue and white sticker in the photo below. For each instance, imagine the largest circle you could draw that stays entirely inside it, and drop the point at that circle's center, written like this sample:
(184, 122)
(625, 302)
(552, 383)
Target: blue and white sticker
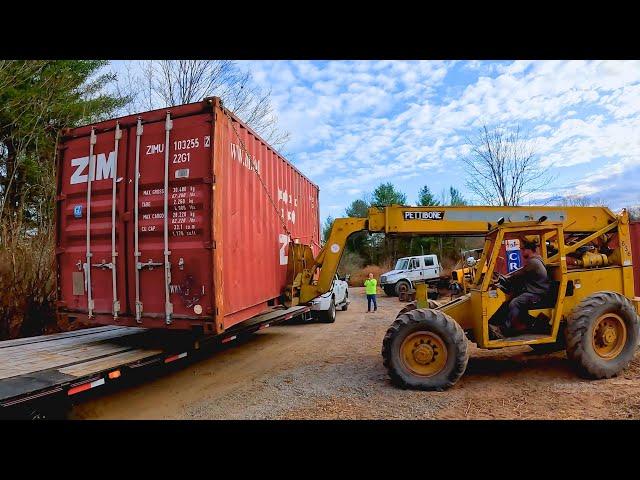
(77, 211)
(514, 260)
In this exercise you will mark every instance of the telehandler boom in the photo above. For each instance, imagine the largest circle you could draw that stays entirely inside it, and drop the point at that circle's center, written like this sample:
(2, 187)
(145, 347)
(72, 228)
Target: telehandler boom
(591, 309)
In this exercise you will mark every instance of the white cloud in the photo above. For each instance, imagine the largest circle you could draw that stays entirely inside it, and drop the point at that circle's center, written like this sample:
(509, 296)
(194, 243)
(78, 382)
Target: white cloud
(356, 123)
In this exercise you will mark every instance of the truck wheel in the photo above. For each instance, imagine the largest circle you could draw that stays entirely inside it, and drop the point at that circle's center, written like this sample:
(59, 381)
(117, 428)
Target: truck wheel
(602, 334)
(329, 316)
(346, 302)
(389, 290)
(413, 305)
(425, 349)
(402, 287)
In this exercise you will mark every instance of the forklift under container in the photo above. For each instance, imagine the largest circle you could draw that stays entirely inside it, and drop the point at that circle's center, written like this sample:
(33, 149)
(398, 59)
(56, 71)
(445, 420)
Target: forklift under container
(176, 218)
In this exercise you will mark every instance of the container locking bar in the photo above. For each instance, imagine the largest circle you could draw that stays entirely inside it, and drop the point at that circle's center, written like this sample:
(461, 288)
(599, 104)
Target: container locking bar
(114, 253)
(92, 142)
(168, 306)
(136, 250)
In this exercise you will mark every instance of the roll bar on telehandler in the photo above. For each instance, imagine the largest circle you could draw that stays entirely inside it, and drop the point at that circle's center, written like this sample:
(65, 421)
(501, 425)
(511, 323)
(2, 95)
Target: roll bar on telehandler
(304, 284)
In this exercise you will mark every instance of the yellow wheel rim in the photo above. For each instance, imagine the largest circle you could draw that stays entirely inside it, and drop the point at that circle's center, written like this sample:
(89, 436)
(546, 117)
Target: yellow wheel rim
(424, 353)
(609, 336)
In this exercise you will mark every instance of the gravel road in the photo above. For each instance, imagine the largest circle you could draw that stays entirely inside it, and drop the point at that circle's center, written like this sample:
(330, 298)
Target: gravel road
(335, 371)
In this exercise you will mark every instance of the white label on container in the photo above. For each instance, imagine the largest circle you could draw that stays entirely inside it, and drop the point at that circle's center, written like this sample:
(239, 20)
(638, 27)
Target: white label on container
(182, 173)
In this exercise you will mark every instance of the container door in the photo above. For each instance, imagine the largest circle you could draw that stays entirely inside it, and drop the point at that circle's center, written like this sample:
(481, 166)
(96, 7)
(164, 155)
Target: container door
(170, 271)
(91, 238)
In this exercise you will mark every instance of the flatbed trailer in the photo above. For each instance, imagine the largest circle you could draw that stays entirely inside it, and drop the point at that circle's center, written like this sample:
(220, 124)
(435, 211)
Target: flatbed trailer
(37, 373)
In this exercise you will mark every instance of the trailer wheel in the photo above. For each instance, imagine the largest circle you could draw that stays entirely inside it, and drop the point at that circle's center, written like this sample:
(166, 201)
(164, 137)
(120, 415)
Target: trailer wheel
(389, 290)
(402, 287)
(425, 349)
(602, 334)
(329, 316)
(413, 305)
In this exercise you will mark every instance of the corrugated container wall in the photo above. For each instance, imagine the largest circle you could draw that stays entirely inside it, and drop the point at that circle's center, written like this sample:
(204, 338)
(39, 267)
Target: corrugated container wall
(232, 204)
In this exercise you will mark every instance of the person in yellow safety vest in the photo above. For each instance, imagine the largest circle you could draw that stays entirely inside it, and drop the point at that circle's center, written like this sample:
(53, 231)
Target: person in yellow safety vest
(371, 285)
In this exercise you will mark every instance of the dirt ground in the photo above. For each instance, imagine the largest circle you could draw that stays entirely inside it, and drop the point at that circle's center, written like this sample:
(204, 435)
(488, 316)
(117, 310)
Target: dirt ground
(335, 371)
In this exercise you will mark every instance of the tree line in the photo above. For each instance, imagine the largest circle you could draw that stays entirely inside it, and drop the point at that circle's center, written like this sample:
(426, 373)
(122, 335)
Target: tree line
(379, 249)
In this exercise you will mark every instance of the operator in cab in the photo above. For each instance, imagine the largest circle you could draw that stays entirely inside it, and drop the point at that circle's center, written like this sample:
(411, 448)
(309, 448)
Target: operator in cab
(530, 285)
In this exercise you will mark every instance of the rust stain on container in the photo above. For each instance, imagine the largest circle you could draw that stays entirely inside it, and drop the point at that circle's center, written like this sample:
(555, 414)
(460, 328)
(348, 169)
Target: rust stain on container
(233, 204)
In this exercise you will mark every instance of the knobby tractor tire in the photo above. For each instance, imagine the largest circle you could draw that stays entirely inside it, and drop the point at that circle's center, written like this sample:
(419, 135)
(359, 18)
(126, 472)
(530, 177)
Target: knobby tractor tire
(413, 305)
(581, 337)
(419, 321)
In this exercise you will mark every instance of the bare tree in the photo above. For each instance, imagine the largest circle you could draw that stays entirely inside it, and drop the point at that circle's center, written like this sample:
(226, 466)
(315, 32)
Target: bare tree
(502, 166)
(582, 201)
(160, 83)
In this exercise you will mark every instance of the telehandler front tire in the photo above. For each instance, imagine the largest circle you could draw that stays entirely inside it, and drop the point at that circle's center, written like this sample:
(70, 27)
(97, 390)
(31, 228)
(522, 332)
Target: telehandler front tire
(602, 334)
(425, 349)
(413, 305)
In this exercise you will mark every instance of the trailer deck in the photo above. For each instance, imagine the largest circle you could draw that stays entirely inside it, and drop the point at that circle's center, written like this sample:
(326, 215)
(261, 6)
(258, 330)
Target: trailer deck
(64, 364)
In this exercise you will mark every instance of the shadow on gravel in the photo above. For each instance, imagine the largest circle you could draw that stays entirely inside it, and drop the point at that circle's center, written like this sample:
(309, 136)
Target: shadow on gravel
(553, 366)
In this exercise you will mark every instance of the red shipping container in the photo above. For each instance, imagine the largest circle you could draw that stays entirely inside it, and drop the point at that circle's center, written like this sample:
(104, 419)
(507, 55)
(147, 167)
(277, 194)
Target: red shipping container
(232, 204)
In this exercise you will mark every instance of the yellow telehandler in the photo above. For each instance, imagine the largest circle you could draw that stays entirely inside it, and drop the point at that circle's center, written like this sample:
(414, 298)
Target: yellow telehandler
(591, 309)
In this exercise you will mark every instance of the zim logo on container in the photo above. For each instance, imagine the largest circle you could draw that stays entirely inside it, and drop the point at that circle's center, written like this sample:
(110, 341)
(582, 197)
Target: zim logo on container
(103, 168)
(435, 215)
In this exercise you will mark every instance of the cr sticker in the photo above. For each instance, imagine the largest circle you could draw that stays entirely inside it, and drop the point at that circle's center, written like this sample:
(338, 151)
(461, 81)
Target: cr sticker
(335, 248)
(197, 309)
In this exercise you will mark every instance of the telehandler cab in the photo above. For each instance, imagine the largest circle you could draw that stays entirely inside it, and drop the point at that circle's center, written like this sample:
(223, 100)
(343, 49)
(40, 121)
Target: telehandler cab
(591, 309)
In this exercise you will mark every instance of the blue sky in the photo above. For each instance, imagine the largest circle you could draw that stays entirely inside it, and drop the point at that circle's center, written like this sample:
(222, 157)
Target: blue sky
(355, 124)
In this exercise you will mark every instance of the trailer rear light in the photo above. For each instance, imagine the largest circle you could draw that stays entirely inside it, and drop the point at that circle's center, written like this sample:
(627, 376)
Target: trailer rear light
(229, 339)
(175, 357)
(115, 374)
(85, 386)
(266, 325)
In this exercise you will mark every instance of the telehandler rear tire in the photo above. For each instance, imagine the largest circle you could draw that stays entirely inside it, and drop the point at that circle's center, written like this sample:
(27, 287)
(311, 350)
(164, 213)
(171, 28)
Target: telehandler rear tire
(413, 305)
(425, 349)
(602, 334)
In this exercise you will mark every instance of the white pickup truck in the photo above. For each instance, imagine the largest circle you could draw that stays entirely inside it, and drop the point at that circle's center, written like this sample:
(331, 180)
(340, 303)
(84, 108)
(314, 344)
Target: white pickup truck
(324, 307)
(408, 270)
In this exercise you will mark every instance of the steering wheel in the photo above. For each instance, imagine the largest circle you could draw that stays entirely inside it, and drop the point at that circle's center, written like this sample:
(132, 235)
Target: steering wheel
(500, 281)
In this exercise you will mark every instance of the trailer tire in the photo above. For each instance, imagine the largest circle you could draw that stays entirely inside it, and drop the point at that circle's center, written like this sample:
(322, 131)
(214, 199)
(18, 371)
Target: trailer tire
(439, 364)
(602, 334)
(329, 316)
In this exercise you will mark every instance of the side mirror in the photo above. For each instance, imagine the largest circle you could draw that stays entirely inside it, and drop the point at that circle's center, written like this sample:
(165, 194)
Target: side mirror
(347, 277)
